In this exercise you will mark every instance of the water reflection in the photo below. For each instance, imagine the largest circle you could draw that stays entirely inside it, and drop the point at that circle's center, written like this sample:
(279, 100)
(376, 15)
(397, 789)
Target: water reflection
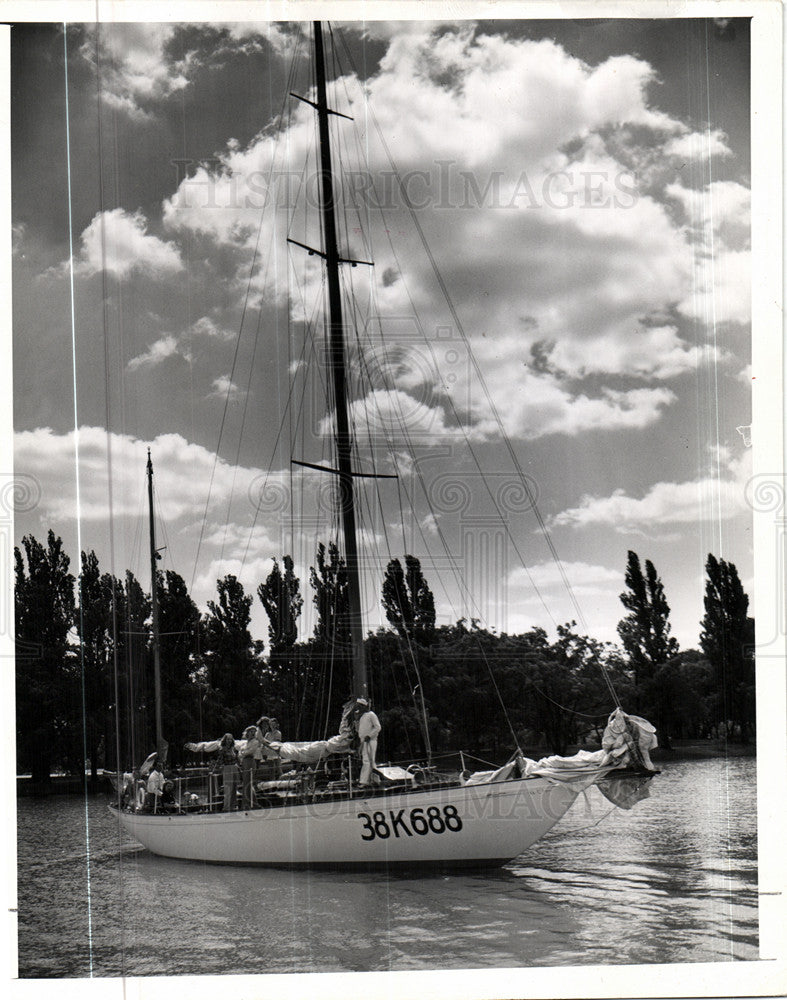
(673, 880)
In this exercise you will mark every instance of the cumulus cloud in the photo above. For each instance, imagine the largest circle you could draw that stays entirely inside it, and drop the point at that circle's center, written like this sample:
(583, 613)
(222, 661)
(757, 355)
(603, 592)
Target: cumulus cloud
(595, 588)
(586, 578)
(17, 236)
(721, 211)
(117, 241)
(548, 174)
(190, 479)
(138, 67)
(536, 405)
(183, 345)
(224, 388)
(693, 146)
(718, 217)
(207, 327)
(429, 524)
(134, 65)
(184, 471)
(718, 495)
(165, 347)
(243, 550)
(279, 36)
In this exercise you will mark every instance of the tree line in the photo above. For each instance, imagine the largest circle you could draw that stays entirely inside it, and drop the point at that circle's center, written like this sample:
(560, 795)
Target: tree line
(84, 686)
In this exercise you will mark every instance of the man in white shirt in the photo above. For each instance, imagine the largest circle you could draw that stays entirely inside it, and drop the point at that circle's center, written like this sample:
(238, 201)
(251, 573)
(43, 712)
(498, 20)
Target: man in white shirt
(368, 730)
(155, 788)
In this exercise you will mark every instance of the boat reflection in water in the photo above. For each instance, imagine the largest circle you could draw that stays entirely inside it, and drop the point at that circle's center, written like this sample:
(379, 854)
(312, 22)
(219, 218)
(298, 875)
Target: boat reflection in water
(674, 880)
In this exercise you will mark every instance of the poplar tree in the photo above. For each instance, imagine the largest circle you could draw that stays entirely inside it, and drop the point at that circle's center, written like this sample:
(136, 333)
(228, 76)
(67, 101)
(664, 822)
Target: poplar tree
(645, 631)
(230, 649)
(408, 602)
(179, 625)
(44, 612)
(727, 639)
(281, 597)
(95, 625)
(331, 597)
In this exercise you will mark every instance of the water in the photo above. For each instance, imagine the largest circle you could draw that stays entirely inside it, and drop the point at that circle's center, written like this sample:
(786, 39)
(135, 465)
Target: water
(673, 880)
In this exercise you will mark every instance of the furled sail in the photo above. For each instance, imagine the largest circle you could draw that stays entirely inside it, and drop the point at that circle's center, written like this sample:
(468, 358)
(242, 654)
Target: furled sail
(627, 742)
(308, 752)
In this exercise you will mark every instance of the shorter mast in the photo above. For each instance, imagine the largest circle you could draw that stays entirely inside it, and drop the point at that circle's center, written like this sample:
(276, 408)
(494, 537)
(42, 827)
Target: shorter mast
(154, 607)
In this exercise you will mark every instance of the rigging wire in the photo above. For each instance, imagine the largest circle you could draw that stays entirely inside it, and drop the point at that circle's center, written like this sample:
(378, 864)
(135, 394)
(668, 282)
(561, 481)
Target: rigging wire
(404, 430)
(493, 408)
(246, 301)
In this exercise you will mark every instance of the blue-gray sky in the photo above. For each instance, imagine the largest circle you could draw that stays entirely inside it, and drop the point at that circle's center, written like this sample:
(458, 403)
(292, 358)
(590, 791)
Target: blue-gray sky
(584, 189)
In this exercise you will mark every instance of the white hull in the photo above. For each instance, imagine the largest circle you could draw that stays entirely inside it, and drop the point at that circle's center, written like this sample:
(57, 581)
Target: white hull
(470, 825)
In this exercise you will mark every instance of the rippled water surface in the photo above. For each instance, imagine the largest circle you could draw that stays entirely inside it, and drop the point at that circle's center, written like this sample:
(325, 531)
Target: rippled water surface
(673, 880)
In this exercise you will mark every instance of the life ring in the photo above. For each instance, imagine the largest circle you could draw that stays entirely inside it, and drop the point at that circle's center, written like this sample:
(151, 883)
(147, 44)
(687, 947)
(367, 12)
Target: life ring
(140, 797)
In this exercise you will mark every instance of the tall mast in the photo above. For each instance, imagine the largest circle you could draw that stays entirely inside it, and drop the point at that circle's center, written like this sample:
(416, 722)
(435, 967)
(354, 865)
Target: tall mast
(336, 362)
(154, 606)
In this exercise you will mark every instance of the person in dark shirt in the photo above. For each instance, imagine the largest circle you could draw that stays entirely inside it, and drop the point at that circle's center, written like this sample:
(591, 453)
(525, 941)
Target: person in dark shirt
(227, 766)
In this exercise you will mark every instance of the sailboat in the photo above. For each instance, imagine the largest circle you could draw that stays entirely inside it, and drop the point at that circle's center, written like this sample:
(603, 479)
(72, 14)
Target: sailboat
(413, 817)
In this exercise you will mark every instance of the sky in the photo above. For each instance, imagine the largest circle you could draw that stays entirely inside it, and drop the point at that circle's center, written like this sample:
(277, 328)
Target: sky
(581, 315)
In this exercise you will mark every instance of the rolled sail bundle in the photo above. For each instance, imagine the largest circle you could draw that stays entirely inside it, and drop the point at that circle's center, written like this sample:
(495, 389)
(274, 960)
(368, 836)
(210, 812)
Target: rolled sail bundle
(627, 742)
(295, 753)
(311, 753)
(211, 746)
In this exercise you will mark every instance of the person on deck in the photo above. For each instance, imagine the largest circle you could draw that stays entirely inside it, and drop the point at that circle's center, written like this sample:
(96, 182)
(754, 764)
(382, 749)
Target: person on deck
(247, 761)
(270, 763)
(274, 736)
(227, 766)
(368, 730)
(261, 727)
(155, 788)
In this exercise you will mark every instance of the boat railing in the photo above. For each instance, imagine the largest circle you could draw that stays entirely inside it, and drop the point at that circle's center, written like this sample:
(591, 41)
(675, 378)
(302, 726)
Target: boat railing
(203, 791)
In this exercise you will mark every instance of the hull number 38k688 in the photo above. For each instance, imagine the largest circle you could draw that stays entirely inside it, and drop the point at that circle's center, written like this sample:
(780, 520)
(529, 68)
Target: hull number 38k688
(391, 823)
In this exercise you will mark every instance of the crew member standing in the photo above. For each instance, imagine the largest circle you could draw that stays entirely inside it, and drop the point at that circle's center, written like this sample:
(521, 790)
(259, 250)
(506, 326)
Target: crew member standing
(227, 766)
(368, 730)
(247, 765)
(155, 787)
(274, 736)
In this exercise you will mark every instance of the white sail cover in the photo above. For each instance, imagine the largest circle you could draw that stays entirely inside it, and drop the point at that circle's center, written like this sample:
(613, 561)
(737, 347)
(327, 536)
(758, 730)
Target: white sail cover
(211, 746)
(309, 752)
(297, 753)
(627, 741)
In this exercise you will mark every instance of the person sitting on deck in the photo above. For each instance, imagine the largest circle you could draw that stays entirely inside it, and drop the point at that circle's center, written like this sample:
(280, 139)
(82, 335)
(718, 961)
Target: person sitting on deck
(368, 730)
(168, 801)
(247, 760)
